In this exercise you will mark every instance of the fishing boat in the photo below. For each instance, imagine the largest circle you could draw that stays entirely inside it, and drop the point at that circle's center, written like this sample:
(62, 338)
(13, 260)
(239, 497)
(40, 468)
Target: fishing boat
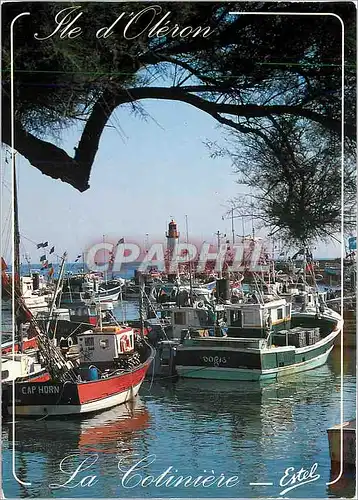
(112, 365)
(89, 288)
(19, 355)
(262, 339)
(36, 294)
(25, 366)
(27, 342)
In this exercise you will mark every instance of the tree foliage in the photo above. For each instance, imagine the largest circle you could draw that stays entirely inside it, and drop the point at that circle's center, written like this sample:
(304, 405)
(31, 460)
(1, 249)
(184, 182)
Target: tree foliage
(249, 69)
(295, 172)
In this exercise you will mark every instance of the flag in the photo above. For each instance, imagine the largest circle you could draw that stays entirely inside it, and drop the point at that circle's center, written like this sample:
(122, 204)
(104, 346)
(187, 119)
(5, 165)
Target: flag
(3, 264)
(42, 245)
(121, 241)
(50, 265)
(50, 271)
(43, 257)
(52, 250)
(44, 265)
(78, 257)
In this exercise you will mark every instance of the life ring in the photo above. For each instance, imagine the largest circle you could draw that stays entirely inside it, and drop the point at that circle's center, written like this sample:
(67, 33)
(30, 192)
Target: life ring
(69, 342)
(125, 343)
(200, 304)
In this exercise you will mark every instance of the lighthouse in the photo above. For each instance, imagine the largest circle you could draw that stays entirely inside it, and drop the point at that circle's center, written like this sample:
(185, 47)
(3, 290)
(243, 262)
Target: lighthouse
(172, 235)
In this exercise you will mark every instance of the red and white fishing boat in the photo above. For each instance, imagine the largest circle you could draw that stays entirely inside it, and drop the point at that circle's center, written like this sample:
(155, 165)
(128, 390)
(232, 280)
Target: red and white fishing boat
(26, 344)
(112, 365)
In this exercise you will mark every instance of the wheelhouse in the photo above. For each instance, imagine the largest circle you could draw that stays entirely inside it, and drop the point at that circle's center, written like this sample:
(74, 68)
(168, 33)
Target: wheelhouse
(256, 320)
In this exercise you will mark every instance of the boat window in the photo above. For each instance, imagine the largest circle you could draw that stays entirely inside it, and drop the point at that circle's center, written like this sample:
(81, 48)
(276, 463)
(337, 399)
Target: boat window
(4, 374)
(179, 318)
(288, 311)
(279, 313)
(236, 318)
(250, 318)
(104, 343)
(89, 341)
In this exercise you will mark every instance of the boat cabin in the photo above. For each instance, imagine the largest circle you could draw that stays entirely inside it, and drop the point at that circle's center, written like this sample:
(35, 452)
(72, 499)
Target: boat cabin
(302, 298)
(18, 365)
(256, 320)
(30, 285)
(105, 345)
(196, 318)
(90, 313)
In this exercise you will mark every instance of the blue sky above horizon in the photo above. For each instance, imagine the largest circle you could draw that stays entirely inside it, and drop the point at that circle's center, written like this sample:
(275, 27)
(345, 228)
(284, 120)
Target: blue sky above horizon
(145, 172)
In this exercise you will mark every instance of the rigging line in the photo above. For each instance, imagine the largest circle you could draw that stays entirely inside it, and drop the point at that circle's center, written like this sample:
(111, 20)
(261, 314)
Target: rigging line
(156, 315)
(6, 185)
(34, 242)
(6, 220)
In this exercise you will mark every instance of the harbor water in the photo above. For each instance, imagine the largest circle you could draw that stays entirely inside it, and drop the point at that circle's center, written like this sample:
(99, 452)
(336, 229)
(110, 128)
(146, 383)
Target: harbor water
(249, 433)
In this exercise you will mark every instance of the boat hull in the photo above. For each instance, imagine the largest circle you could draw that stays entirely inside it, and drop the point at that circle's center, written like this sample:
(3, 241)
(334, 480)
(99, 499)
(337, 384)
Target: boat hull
(228, 360)
(46, 399)
(102, 296)
(248, 374)
(39, 410)
(8, 347)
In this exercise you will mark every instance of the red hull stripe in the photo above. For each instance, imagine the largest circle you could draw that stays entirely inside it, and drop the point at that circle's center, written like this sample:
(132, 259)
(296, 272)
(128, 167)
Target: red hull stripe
(41, 378)
(104, 388)
(27, 344)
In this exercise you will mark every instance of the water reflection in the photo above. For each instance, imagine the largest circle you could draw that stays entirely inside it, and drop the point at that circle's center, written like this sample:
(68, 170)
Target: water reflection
(107, 432)
(268, 427)
(115, 432)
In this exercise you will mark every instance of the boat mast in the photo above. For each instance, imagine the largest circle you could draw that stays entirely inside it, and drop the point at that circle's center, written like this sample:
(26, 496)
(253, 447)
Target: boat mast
(189, 262)
(141, 303)
(218, 237)
(232, 226)
(104, 260)
(16, 231)
(58, 285)
(16, 287)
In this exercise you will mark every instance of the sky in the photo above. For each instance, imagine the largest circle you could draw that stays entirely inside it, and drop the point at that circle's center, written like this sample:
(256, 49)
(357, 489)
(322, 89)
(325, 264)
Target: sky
(146, 171)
